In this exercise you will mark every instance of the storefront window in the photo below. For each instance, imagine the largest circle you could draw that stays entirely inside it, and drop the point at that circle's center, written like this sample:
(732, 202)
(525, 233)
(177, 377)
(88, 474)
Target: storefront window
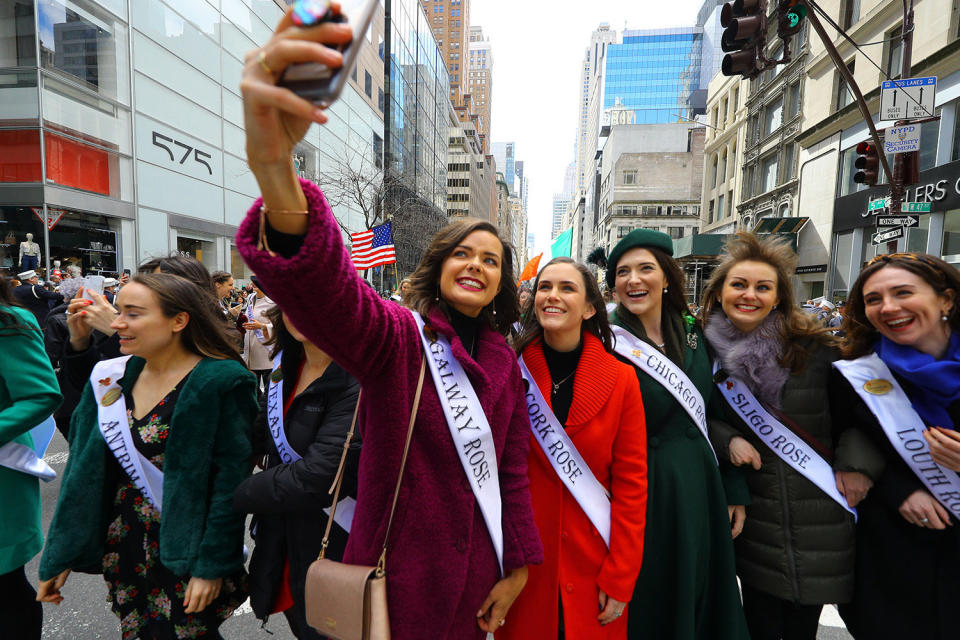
(17, 45)
(15, 224)
(72, 163)
(843, 247)
(80, 39)
(917, 236)
(20, 159)
(238, 268)
(951, 233)
(202, 250)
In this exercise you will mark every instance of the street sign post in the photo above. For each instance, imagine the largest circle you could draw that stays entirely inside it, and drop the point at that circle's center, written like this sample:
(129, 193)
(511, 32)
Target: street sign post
(878, 204)
(917, 207)
(907, 98)
(901, 139)
(883, 237)
(898, 221)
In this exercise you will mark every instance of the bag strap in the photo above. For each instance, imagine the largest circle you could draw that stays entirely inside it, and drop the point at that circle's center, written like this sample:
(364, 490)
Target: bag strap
(338, 480)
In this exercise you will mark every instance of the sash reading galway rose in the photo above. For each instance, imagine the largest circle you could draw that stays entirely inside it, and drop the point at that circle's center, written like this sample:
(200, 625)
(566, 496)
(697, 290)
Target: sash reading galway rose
(783, 442)
(663, 370)
(347, 505)
(883, 395)
(29, 460)
(115, 429)
(469, 429)
(565, 459)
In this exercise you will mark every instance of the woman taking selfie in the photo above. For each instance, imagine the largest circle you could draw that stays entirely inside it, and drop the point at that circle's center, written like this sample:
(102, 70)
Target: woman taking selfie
(588, 402)
(797, 547)
(463, 534)
(304, 418)
(902, 382)
(687, 588)
(158, 444)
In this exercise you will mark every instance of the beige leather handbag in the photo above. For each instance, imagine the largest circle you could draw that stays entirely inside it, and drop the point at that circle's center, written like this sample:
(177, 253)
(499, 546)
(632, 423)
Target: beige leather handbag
(349, 601)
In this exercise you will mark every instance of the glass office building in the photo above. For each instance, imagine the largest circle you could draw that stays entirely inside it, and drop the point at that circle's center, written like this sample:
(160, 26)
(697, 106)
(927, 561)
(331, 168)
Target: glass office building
(653, 72)
(121, 129)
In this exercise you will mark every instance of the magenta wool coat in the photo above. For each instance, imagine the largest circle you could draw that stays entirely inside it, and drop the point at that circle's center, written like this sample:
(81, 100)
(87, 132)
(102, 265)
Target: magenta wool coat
(440, 562)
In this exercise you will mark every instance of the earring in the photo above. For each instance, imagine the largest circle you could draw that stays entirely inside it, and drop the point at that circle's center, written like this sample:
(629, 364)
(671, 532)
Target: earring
(665, 289)
(944, 317)
(437, 297)
(494, 312)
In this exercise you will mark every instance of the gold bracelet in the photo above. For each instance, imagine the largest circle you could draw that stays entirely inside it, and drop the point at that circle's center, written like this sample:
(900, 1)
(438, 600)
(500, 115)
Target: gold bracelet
(282, 212)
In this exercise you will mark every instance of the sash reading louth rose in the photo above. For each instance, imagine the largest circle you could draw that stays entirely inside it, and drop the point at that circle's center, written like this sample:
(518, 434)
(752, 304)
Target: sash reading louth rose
(29, 460)
(469, 429)
(115, 429)
(663, 370)
(783, 442)
(347, 505)
(883, 395)
(565, 459)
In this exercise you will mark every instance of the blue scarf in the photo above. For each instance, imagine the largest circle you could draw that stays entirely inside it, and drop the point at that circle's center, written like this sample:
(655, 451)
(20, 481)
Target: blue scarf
(936, 382)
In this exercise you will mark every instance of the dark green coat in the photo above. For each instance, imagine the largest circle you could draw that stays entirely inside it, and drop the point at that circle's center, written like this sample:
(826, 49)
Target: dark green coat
(687, 589)
(797, 543)
(207, 456)
(28, 395)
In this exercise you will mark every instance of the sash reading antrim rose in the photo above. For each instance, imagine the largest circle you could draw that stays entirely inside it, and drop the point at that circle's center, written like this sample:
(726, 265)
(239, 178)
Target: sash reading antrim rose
(29, 460)
(288, 455)
(469, 429)
(663, 370)
(115, 429)
(565, 459)
(783, 442)
(883, 395)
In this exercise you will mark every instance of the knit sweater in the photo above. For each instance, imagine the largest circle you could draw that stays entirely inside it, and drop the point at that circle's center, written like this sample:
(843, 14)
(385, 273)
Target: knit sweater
(440, 561)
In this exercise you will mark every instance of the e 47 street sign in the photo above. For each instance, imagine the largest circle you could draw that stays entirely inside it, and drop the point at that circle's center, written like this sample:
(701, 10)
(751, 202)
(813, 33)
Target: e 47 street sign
(907, 98)
(916, 207)
(898, 221)
(882, 237)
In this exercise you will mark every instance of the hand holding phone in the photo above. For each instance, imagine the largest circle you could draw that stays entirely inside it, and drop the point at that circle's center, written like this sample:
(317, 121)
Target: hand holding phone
(92, 283)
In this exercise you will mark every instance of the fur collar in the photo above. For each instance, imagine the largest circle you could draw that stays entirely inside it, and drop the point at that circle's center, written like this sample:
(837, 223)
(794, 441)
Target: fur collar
(752, 358)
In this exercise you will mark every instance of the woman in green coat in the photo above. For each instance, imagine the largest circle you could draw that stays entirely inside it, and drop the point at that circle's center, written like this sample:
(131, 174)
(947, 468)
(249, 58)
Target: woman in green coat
(28, 394)
(687, 589)
(158, 445)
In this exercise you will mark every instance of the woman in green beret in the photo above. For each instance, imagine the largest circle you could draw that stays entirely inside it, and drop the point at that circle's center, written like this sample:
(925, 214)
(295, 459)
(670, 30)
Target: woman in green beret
(687, 589)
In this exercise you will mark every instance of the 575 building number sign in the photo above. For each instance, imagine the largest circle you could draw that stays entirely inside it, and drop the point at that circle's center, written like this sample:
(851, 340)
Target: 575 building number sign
(164, 142)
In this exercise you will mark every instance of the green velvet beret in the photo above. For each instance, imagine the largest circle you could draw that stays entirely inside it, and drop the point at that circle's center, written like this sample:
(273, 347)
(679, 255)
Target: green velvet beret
(638, 238)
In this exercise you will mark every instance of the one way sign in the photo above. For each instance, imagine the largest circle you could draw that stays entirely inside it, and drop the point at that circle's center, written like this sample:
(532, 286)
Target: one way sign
(886, 236)
(898, 221)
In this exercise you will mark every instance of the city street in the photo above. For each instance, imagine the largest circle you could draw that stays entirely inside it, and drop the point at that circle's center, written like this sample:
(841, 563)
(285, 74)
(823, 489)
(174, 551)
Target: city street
(85, 613)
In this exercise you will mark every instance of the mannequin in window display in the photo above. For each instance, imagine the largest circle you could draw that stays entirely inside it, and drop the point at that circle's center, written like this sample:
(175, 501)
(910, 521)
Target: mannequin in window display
(29, 254)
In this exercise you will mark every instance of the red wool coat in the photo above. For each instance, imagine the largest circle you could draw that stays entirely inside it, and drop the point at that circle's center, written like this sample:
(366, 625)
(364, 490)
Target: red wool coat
(607, 425)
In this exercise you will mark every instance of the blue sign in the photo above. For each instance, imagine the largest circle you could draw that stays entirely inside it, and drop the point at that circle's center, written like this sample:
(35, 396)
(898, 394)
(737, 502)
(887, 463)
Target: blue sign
(909, 82)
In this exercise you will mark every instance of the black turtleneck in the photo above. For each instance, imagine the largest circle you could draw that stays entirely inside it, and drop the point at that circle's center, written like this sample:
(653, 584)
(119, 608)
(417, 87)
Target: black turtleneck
(562, 365)
(467, 329)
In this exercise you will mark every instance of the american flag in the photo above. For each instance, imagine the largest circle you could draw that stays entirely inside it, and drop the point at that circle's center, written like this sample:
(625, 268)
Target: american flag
(373, 247)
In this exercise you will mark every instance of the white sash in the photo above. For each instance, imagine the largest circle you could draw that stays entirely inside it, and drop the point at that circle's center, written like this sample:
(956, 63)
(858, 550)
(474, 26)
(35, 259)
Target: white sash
(115, 429)
(904, 428)
(250, 318)
(346, 506)
(470, 431)
(783, 442)
(29, 460)
(566, 461)
(671, 377)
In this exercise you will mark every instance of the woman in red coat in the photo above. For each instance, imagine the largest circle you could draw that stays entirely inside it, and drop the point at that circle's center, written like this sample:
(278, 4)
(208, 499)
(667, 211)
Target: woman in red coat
(591, 561)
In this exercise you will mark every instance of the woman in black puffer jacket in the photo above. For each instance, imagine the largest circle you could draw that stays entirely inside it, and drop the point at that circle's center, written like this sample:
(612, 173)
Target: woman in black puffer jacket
(796, 552)
(288, 498)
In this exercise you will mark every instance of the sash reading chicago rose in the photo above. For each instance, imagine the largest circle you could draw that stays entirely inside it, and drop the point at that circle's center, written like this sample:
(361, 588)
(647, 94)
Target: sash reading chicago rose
(469, 429)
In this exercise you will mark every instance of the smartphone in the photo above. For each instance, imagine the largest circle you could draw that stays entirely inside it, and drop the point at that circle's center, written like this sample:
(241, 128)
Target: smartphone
(92, 283)
(126, 272)
(317, 82)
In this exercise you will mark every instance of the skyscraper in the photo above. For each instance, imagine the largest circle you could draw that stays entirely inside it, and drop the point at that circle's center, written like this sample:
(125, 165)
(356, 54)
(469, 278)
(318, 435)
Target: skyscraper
(503, 152)
(450, 22)
(480, 83)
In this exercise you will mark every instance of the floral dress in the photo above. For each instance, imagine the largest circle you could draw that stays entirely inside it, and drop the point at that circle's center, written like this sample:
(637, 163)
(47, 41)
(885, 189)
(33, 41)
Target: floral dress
(148, 597)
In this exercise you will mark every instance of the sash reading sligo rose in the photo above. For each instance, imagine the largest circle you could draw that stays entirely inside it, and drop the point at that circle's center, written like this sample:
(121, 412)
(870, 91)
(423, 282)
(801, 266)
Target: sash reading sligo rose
(115, 429)
(565, 459)
(671, 377)
(288, 455)
(469, 429)
(883, 395)
(29, 460)
(783, 442)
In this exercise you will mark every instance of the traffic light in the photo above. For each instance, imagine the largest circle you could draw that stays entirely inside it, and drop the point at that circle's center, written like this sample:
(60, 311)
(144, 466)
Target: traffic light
(790, 15)
(745, 27)
(868, 164)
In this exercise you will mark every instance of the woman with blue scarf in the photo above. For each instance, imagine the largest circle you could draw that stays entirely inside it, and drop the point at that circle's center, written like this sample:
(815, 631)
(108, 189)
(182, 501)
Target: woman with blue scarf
(903, 372)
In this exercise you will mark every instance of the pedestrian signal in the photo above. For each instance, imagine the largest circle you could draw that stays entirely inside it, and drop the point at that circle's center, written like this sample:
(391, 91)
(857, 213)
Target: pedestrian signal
(745, 26)
(790, 15)
(867, 163)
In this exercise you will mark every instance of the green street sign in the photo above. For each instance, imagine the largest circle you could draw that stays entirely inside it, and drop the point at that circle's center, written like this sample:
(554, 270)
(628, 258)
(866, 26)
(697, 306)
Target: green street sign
(880, 203)
(917, 207)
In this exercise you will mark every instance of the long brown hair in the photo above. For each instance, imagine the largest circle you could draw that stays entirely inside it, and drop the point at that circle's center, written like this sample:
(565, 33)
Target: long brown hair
(598, 325)
(425, 280)
(673, 300)
(206, 333)
(9, 322)
(860, 334)
(797, 328)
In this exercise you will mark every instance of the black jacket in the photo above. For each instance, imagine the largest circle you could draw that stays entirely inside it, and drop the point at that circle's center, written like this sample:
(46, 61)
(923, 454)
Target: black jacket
(287, 500)
(907, 583)
(37, 299)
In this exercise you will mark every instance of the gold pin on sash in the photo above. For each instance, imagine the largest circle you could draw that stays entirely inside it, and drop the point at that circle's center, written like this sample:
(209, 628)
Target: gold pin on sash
(276, 375)
(637, 353)
(111, 396)
(877, 386)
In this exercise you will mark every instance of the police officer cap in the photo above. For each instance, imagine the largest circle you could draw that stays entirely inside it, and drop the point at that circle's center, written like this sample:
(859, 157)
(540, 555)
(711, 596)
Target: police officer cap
(638, 238)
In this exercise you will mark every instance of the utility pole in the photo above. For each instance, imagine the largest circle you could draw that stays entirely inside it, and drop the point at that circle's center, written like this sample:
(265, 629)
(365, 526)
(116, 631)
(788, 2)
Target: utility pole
(900, 159)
